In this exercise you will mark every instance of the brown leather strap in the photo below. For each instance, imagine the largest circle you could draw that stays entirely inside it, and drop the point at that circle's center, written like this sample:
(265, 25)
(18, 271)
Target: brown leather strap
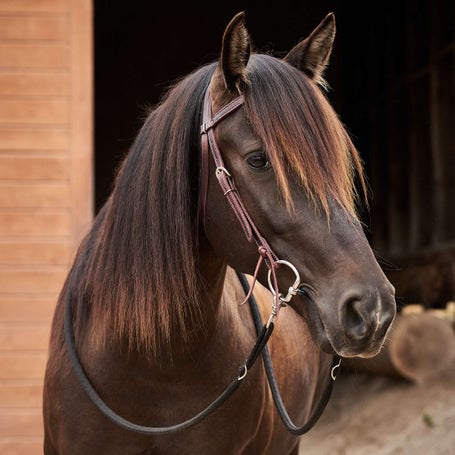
(225, 179)
(208, 123)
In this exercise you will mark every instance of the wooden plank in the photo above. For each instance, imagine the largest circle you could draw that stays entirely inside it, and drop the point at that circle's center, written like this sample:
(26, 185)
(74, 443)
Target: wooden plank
(49, 111)
(14, 139)
(33, 6)
(21, 394)
(32, 281)
(21, 422)
(34, 56)
(16, 308)
(22, 366)
(33, 28)
(37, 224)
(35, 253)
(32, 168)
(33, 84)
(21, 445)
(24, 337)
(35, 196)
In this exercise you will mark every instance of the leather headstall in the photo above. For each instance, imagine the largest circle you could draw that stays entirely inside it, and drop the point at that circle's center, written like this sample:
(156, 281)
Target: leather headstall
(225, 178)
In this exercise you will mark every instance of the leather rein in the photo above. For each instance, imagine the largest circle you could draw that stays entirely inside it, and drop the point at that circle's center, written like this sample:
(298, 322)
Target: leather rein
(264, 331)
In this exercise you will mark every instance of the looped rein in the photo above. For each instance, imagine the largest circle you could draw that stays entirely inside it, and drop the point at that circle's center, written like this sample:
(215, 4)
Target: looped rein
(226, 182)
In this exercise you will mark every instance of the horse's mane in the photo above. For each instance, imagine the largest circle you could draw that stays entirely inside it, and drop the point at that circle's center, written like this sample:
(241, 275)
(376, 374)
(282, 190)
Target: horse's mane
(136, 271)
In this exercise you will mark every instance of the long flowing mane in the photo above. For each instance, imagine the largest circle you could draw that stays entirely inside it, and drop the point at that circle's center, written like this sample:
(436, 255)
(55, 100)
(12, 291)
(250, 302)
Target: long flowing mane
(136, 271)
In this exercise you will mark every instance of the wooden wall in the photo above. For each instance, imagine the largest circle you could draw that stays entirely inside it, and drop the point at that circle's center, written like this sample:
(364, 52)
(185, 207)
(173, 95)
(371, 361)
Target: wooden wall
(45, 191)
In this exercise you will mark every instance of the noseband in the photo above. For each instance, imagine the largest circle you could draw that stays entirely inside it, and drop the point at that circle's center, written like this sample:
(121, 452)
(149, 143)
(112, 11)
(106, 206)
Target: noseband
(226, 181)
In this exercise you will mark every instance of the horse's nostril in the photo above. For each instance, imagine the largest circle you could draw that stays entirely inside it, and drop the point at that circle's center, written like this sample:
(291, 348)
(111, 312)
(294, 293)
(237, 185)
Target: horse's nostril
(366, 316)
(354, 319)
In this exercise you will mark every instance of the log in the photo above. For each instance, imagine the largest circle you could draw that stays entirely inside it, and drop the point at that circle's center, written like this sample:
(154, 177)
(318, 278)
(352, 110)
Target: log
(420, 346)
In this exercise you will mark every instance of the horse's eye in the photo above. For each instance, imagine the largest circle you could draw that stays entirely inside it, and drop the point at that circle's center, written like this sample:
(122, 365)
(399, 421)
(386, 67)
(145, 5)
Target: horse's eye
(258, 160)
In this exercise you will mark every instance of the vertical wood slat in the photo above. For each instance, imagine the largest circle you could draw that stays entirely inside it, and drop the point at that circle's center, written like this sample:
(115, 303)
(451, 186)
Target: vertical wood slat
(420, 165)
(399, 174)
(81, 115)
(443, 147)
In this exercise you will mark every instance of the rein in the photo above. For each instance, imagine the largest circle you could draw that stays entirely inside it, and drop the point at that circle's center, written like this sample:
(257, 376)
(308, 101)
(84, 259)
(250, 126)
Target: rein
(263, 335)
(264, 331)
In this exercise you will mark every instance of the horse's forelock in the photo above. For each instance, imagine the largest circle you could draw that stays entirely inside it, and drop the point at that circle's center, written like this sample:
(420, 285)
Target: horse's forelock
(302, 133)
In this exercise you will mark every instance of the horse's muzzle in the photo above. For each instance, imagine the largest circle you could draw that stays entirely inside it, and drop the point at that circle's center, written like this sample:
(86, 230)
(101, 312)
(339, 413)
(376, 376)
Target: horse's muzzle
(366, 315)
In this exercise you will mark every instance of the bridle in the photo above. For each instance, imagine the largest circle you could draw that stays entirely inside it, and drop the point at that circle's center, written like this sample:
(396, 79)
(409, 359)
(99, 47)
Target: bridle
(226, 182)
(264, 331)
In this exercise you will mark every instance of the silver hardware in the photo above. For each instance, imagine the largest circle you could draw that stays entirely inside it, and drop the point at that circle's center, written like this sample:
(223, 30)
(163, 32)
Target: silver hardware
(245, 371)
(292, 289)
(332, 373)
(221, 169)
(273, 314)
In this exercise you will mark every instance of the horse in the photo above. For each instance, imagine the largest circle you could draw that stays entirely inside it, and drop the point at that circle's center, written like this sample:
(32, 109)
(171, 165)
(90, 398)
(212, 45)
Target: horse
(243, 172)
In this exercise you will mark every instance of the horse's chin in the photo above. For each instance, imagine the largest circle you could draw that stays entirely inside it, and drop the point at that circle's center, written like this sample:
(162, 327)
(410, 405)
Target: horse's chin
(334, 343)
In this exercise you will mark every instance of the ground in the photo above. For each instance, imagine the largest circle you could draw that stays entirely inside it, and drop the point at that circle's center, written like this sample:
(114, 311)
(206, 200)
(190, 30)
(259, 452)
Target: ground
(377, 415)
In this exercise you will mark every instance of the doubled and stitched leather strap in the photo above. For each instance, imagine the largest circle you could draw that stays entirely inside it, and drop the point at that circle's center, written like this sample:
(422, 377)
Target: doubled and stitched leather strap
(225, 179)
(208, 123)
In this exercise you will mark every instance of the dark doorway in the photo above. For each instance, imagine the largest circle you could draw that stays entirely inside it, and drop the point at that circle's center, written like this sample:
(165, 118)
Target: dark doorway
(392, 78)
(142, 47)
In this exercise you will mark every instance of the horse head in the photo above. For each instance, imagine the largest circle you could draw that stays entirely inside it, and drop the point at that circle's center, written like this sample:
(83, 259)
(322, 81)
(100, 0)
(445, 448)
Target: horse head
(296, 169)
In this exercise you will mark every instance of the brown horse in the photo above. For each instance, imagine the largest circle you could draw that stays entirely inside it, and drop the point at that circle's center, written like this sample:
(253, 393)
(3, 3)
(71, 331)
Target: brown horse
(152, 300)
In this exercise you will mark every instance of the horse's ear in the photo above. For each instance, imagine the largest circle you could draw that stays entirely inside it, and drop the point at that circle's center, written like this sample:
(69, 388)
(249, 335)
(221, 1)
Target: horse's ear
(312, 54)
(235, 53)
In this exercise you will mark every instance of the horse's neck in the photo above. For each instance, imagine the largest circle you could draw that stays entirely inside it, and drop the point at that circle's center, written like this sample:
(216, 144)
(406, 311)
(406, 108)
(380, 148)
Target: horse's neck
(220, 301)
(221, 317)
